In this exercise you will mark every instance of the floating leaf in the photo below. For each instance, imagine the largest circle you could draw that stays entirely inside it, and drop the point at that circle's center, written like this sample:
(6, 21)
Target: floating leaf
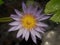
(1, 2)
(53, 6)
(56, 17)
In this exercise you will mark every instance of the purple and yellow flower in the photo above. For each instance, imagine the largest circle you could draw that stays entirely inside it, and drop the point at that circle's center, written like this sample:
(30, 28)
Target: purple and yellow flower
(28, 22)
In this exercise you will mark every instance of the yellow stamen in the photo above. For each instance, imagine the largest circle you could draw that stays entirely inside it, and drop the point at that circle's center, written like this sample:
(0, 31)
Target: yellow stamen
(28, 21)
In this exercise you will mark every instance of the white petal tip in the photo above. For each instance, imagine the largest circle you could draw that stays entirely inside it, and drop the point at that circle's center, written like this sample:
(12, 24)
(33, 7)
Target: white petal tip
(35, 42)
(9, 31)
(15, 10)
(26, 40)
(17, 36)
(23, 3)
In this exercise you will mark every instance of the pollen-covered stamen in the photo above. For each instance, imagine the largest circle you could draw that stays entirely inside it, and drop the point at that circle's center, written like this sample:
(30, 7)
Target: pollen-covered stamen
(28, 21)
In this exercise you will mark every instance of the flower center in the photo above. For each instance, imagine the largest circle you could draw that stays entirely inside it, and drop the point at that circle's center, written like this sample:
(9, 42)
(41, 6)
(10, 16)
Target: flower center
(28, 21)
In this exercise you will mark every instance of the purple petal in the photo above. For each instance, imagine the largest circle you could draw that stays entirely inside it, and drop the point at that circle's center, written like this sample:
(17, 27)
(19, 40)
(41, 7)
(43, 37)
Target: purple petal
(24, 7)
(37, 34)
(14, 28)
(18, 12)
(33, 36)
(39, 30)
(24, 33)
(15, 17)
(29, 9)
(35, 10)
(20, 32)
(39, 17)
(14, 23)
(32, 9)
(39, 12)
(41, 24)
(42, 29)
(27, 35)
(44, 18)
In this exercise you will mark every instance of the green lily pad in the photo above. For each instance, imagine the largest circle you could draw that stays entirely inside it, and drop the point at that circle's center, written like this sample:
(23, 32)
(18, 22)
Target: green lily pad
(53, 6)
(56, 17)
(1, 2)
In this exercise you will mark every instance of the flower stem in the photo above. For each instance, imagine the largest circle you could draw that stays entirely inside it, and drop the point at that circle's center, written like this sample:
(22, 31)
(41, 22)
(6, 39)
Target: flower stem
(5, 19)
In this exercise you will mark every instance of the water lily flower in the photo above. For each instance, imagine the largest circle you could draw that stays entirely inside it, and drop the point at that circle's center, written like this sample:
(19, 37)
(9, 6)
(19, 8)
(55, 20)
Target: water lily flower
(28, 22)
